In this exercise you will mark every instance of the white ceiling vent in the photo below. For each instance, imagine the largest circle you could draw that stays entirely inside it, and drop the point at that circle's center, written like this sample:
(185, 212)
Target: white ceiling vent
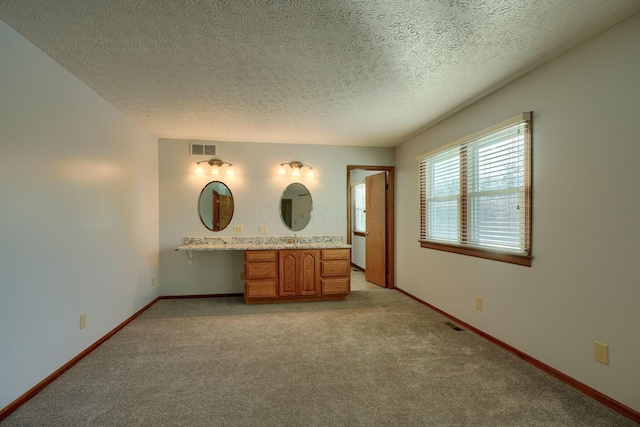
(199, 149)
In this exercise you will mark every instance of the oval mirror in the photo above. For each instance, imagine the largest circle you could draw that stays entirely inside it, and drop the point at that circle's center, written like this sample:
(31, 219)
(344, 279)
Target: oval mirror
(296, 206)
(215, 206)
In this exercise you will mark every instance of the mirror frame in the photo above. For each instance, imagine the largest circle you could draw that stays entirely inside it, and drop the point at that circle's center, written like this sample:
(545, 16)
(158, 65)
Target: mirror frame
(212, 228)
(283, 208)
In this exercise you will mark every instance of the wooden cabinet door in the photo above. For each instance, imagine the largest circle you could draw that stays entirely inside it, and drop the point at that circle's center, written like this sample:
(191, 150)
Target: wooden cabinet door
(298, 273)
(308, 262)
(288, 273)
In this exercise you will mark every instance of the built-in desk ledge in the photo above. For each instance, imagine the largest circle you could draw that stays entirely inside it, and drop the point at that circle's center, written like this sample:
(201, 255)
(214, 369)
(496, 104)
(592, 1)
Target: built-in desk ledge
(254, 243)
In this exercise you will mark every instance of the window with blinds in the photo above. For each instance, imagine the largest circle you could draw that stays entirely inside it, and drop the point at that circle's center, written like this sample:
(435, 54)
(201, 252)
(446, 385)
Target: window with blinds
(475, 194)
(359, 200)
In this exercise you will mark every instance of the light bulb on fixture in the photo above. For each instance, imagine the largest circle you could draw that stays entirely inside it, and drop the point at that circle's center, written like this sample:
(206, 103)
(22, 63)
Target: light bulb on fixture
(215, 164)
(296, 166)
(230, 171)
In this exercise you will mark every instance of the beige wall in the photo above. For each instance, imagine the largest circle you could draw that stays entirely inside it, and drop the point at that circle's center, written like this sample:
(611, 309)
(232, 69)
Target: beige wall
(583, 285)
(78, 216)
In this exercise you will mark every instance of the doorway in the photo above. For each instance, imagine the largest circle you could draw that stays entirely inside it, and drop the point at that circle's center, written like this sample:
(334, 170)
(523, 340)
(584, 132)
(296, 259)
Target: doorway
(379, 235)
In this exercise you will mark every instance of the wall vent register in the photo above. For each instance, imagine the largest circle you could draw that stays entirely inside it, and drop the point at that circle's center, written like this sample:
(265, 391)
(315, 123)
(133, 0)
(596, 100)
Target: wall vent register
(200, 149)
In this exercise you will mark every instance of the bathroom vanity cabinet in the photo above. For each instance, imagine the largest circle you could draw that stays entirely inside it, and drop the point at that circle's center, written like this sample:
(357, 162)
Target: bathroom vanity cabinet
(282, 269)
(297, 275)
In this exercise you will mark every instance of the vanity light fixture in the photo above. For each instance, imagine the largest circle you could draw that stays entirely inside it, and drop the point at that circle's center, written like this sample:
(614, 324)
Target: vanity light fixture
(215, 164)
(296, 166)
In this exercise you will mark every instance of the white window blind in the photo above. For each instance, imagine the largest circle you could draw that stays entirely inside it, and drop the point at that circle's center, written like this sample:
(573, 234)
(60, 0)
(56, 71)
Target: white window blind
(359, 199)
(477, 192)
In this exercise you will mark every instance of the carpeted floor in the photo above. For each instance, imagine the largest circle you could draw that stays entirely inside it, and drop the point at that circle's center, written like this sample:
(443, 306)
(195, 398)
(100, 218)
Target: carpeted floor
(377, 359)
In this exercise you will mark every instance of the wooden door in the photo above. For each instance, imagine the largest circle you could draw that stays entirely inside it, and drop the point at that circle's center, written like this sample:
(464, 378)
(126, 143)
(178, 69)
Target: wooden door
(215, 209)
(376, 236)
(225, 208)
(286, 212)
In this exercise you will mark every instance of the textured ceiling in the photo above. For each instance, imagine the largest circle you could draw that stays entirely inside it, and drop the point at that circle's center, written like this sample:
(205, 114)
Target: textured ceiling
(351, 72)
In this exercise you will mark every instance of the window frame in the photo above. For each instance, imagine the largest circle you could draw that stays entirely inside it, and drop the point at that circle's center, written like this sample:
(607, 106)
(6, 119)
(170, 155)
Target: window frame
(462, 245)
(354, 209)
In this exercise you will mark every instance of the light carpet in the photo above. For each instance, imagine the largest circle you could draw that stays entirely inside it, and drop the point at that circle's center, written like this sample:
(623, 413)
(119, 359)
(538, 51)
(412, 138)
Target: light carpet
(376, 359)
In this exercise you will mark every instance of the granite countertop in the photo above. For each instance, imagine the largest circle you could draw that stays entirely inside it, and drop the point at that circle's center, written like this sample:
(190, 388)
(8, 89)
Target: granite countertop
(260, 247)
(250, 243)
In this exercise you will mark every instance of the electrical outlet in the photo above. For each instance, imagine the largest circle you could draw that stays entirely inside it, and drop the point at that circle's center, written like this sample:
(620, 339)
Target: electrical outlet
(237, 229)
(242, 276)
(83, 320)
(601, 352)
(153, 282)
(478, 303)
(264, 229)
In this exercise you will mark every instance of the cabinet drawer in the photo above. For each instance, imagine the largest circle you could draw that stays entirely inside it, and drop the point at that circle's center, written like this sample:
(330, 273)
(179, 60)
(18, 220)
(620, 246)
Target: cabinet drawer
(336, 253)
(260, 270)
(260, 255)
(260, 288)
(335, 286)
(335, 268)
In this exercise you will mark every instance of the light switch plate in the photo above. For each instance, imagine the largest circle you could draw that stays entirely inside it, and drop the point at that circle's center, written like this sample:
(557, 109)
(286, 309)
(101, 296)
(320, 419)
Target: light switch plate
(264, 229)
(237, 229)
